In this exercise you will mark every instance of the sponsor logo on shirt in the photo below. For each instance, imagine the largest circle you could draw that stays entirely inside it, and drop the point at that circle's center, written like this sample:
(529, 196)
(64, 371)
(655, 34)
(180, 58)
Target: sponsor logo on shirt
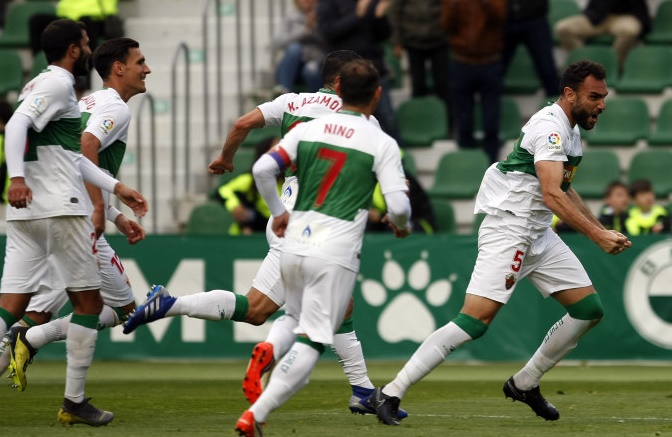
(554, 142)
(38, 105)
(106, 126)
(568, 173)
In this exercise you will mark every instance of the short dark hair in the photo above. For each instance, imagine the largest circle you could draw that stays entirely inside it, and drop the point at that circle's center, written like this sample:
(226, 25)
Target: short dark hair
(111, 51)
(57, 37)
(576, 73)
(359, 81)
(640, 186)
(612, 186)
(334, 61)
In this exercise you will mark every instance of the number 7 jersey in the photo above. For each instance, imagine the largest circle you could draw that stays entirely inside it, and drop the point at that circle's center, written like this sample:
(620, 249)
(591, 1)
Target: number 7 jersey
(339, 159)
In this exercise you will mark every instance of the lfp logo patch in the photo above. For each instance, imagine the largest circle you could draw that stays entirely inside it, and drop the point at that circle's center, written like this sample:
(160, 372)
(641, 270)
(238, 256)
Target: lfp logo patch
(107, 125)
(554, 142)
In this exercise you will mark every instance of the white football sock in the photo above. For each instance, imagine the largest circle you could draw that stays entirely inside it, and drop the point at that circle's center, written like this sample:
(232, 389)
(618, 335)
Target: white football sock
(428, 356)
(290, 375)
(57, 329)
(80, 345)
(560, 340)
(210, 305)
(348, 349)
(281, 335)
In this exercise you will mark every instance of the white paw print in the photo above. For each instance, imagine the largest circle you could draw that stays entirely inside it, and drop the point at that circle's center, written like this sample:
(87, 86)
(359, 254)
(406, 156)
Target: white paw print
(406, 316)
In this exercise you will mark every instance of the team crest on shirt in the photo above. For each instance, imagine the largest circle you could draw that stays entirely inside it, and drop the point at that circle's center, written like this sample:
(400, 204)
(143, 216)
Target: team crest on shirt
(38, 105)
(107, 125)
(554, 142)
(509, 280)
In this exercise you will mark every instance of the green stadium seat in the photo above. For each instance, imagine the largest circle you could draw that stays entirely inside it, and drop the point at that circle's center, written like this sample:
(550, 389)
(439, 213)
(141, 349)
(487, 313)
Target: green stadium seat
(408, 162)
(256, 135)
(476, 224)
(560, 9)
(598, 169)
(509, 120)
(209, 219)
(521, 76)
(602, 54)
(39, 64)
(655, 166)
(11, 73)
(422, 120)
(662, 133)
(661, 30)
(459, 174)
(625, 120)
(16, 31)
(444, 216)
(647, 69)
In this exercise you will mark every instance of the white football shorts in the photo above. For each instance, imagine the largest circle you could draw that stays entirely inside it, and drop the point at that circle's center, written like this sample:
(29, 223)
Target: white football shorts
(52, 253)
(318, 295)
(508, 252)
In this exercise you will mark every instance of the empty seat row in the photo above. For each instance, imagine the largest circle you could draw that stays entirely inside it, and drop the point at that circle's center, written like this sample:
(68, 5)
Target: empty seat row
(646, 70)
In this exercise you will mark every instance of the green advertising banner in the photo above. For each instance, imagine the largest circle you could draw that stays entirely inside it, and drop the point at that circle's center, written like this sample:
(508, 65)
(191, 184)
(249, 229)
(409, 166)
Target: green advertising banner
(406, 289)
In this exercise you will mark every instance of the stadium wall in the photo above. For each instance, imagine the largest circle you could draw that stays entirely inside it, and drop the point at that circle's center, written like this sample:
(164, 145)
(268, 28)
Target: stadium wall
(406, 289)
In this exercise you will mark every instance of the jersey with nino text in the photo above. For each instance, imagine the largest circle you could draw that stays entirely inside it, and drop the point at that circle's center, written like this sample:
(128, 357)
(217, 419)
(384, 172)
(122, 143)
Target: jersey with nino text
(107, 117)
(339, 158)
(51, 159)
(511, 187)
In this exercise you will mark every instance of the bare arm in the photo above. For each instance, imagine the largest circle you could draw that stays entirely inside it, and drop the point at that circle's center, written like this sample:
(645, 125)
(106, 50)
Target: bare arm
(550, 174)
(90, 148)
(241, 128)
(583, 208)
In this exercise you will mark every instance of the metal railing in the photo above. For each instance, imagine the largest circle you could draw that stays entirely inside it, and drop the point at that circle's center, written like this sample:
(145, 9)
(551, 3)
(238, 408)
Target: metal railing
(152, 148)
(182, 48)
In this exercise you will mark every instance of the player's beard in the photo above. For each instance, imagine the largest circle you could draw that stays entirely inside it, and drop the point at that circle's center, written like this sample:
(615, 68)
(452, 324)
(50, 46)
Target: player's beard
(582, 118)
(82, 65)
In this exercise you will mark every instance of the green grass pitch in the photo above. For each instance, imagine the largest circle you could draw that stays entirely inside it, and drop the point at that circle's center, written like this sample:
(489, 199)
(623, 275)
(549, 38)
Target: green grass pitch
(205, 399)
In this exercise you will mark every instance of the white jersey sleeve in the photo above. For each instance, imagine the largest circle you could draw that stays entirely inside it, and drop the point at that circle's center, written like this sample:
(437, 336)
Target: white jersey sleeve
(388, 168)
(544, 139)
(110, 123)
(274, 110)
(46, 101)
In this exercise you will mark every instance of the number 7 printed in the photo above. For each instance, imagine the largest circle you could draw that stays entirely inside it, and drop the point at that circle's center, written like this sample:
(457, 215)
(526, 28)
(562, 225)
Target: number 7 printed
(337, 161)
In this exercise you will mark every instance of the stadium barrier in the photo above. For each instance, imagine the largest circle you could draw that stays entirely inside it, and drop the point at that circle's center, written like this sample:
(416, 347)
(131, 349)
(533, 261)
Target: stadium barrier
(406, 289)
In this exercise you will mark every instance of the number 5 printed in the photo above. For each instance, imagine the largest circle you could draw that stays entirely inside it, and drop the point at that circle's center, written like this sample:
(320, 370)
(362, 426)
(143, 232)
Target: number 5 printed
(337, 161)
(517, 261)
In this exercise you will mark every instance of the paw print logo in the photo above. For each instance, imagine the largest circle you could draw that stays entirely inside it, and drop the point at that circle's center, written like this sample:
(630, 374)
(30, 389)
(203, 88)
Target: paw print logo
(406, 316)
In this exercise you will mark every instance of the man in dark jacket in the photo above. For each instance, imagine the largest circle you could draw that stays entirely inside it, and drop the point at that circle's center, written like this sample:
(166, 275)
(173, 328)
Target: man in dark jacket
(474, 31)
(527, 24)
(626, 20)
(361, 26)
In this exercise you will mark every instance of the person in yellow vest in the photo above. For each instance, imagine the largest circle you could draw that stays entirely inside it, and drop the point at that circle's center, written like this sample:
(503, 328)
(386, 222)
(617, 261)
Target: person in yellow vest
(646, 216)
(614, 212)
(243, 201)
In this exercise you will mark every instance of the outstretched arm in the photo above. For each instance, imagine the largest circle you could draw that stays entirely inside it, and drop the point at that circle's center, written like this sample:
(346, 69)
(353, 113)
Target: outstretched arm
(241, 128)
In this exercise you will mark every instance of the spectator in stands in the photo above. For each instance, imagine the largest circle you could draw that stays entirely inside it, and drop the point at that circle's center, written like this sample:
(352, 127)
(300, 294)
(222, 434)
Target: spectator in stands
(90, 12)
(614, 212)
(300, 48)
(646, 216)
(243, 201)
(475, 36)
(6, 112)
(527, 24)
(627, 20)
(417, 30)
(361, 26)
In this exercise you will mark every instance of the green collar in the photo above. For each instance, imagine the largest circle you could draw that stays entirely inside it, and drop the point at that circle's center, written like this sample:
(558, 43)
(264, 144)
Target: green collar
(349, 112)
(326, 91)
